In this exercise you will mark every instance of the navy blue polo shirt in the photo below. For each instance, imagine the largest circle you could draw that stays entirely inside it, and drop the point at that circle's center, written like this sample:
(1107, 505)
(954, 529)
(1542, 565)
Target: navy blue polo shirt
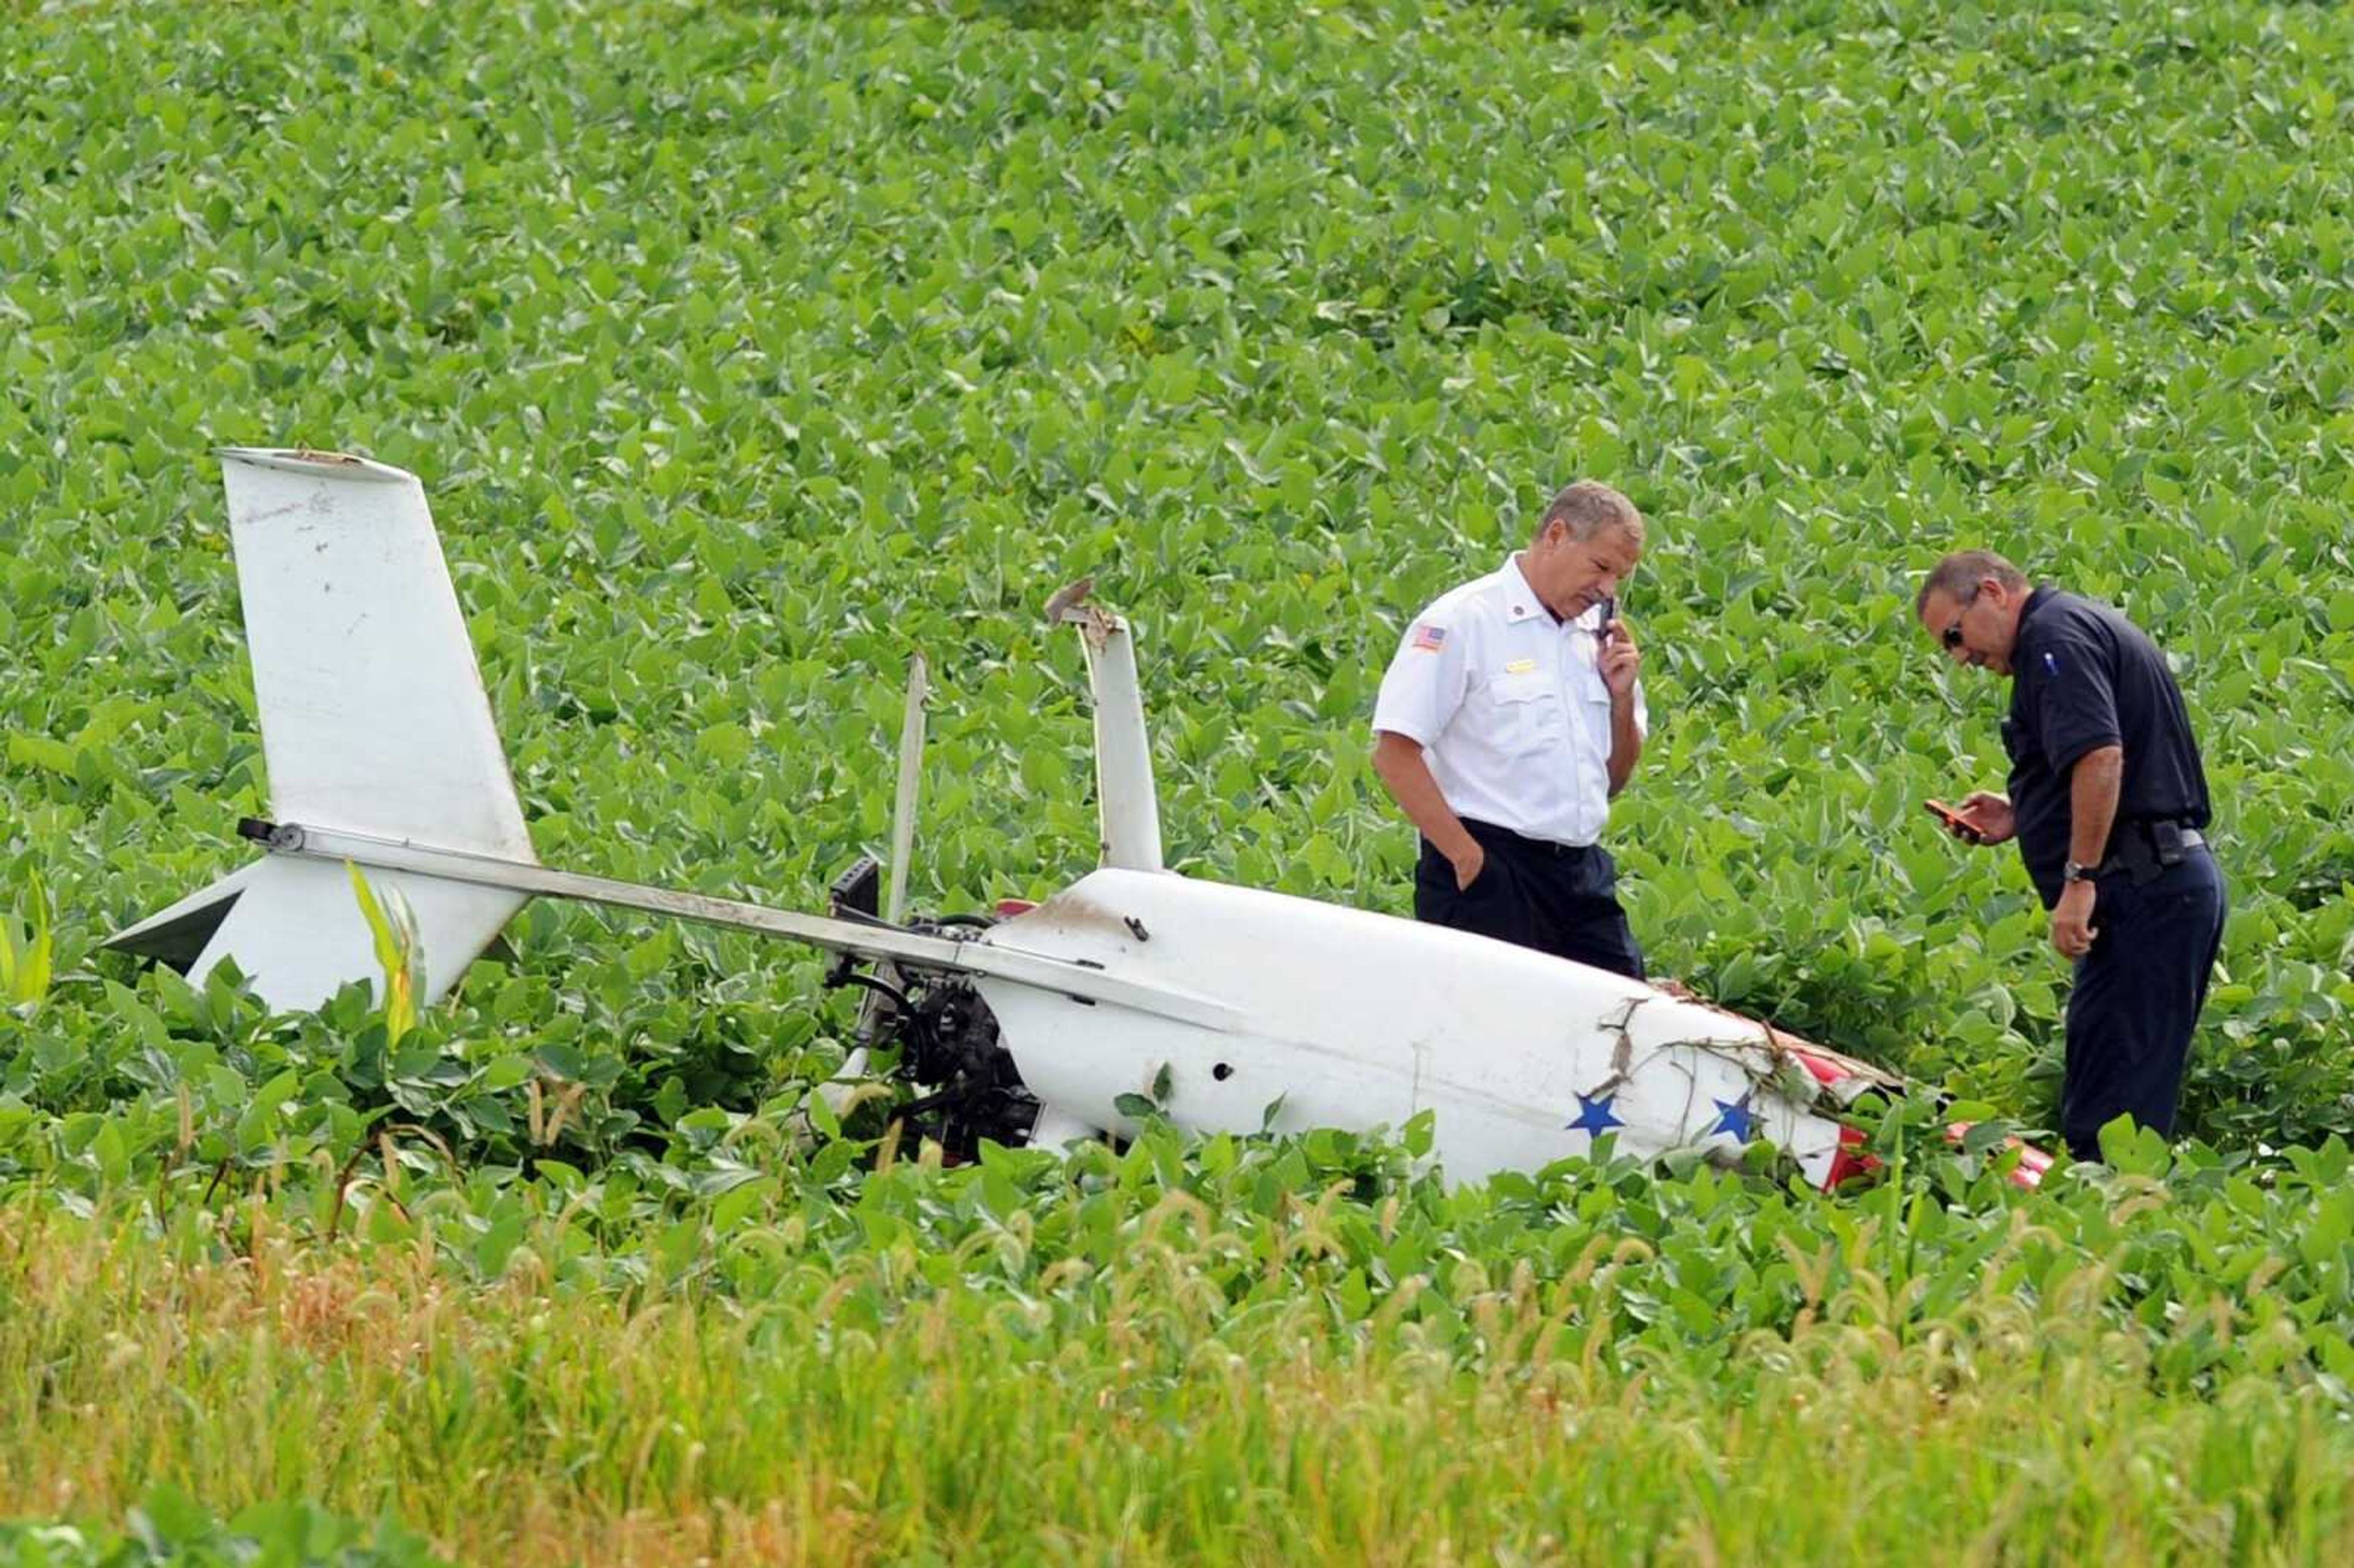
(2082, 677)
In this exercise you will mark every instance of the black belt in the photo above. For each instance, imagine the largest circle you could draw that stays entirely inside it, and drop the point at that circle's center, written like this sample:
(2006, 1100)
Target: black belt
(1489, 833)
(2145, 850)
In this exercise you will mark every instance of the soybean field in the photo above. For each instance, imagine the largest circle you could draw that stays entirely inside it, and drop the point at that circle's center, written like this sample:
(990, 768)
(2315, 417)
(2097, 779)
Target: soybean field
(746, 350)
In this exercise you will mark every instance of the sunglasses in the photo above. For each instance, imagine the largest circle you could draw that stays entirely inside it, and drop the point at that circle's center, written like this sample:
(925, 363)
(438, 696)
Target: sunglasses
(1952, 636)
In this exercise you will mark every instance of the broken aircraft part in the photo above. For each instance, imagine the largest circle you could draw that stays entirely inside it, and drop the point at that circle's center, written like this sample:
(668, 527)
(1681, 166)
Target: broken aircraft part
(1252, 1008)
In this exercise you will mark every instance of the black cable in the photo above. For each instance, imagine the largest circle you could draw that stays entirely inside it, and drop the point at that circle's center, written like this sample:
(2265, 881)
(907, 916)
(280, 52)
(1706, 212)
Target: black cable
(898, 998)
(906, 1017)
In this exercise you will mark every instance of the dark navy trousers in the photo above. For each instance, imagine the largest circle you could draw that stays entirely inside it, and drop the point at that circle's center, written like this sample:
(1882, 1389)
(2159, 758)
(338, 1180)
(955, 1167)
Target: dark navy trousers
(1561, 899)
(2136, 999)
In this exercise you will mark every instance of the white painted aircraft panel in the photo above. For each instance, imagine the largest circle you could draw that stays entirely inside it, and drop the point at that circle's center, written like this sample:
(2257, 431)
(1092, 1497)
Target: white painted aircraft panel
(297, 931)
(1354, 1020)
(373, 712)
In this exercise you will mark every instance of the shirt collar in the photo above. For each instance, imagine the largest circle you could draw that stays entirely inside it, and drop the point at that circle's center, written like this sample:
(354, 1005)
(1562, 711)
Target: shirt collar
(1520, 600)
(2038, 597)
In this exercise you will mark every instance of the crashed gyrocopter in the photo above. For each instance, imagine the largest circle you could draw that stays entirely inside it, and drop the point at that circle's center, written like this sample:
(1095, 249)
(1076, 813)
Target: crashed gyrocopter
(1230, 1008)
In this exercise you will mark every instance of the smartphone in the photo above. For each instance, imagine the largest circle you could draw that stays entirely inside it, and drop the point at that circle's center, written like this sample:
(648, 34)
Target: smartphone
(1955, 820)
(1608, 621)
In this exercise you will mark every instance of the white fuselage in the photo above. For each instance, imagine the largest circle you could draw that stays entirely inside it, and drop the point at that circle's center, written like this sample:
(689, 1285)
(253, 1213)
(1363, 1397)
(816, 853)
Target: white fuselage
(1355, 1020)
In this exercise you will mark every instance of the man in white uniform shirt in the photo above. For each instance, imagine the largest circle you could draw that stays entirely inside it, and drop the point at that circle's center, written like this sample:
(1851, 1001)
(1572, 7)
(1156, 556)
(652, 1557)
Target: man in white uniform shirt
(1509, 718)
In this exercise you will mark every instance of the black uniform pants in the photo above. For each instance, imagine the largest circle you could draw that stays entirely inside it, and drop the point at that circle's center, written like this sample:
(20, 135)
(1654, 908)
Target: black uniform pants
(1561, 899)
(2136, 999)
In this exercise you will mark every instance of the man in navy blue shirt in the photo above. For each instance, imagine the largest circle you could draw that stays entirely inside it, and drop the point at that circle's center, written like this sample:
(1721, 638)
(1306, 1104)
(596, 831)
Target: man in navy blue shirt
(2108, 801)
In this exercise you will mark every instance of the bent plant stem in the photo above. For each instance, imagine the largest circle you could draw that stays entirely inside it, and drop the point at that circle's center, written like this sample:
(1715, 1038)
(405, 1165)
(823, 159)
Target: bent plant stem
(344, 1187)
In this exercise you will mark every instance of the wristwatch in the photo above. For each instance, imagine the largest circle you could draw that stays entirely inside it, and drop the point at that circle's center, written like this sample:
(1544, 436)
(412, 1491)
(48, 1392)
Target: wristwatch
(2077, 870)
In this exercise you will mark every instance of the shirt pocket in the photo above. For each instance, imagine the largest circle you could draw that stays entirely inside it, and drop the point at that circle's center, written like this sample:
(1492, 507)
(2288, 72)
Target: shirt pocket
(1527, 712)
(1594, 712)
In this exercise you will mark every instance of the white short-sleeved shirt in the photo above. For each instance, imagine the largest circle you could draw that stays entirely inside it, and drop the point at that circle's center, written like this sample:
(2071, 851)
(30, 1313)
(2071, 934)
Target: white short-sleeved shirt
(1510, 708)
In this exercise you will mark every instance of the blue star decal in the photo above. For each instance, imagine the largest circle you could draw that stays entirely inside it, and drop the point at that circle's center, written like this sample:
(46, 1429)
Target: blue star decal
(1735, 1118)
(1595, 1116)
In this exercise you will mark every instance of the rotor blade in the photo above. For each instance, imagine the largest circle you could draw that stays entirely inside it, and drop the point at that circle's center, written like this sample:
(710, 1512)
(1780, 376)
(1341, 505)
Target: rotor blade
(911, 778)
(1126, 801)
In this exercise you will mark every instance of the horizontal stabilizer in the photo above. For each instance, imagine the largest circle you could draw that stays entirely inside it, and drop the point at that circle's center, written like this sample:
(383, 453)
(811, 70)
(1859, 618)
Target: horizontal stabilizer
(177, 936)
(297, 932)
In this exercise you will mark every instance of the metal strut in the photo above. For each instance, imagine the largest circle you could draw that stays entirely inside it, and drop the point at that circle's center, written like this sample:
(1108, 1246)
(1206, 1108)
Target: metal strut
(910, 948)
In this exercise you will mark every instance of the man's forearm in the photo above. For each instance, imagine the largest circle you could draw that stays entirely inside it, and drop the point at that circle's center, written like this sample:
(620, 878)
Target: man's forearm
(1625, 742)
(1398, 760)
(2093, 786)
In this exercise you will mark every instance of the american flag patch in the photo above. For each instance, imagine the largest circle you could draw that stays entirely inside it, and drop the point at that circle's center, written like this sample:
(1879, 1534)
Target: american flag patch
(1428, 638)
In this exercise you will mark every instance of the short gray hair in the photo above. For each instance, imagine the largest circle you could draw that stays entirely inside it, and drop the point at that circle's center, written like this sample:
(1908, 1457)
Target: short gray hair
(1959, 575)
(1587, 507)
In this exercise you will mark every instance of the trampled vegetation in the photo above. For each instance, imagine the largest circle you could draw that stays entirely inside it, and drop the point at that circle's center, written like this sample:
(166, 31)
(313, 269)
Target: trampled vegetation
(744, 350)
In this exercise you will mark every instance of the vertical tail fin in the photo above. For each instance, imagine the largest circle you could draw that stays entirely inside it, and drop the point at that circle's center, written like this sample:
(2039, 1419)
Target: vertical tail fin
(373, 714)
(374, 720)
